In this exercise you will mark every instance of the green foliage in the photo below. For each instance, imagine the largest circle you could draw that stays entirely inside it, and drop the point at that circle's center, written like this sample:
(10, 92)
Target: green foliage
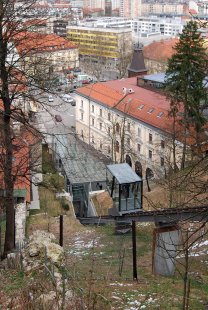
(17, 281)
(54, 182)
(64, 204)
(47, 163)
(185, 76)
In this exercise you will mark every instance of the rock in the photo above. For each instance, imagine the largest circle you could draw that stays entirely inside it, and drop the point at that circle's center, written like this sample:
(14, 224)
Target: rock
(33, 249)
(68, 295)
(47, 298)
(41, 237)
(55, 253)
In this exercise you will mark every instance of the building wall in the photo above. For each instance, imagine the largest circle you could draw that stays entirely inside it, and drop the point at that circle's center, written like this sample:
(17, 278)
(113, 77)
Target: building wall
(167, 27)
(137, 134)
(151, 8)
(130, 8)
(154, 66)
(99, 42)
(58, 60)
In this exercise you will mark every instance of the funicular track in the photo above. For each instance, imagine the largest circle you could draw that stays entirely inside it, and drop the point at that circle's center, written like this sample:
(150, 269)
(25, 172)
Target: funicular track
(171, 215)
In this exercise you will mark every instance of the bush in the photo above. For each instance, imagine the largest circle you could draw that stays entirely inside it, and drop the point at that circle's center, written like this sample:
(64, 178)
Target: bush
(64, 204)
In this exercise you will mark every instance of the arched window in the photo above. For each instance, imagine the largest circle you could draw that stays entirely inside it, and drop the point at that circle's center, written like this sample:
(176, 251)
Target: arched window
(117, 146)
(117, 128)
(138, 168)
(128, 160)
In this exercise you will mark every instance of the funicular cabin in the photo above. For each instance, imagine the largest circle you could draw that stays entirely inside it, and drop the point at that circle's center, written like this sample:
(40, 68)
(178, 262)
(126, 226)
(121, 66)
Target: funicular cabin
(125, 187)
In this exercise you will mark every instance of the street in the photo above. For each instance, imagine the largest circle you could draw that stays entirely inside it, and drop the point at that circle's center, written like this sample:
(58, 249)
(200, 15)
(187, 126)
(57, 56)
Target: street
(46, 116)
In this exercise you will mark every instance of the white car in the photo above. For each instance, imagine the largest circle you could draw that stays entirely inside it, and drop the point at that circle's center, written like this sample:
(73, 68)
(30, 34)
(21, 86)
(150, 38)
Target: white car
(67, 98)
(50, 98)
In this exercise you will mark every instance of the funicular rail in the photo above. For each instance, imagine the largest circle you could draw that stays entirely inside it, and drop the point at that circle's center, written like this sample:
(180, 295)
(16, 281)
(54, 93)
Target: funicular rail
(171, 215)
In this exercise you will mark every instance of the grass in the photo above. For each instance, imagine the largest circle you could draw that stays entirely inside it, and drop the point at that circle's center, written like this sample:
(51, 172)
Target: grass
(3, 229)
(97, 270)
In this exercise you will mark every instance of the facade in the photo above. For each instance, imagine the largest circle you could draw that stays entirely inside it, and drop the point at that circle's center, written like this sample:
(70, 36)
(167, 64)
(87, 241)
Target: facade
(151, 25)
(161, 8)
(94, 4)
(50, 50)
(130, 123)
(130, 8)
(105, 110)
(156, 55)
(99, 42)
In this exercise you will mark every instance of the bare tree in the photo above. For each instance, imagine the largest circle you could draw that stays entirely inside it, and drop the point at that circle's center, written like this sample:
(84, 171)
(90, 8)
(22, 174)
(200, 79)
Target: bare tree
(20, 71)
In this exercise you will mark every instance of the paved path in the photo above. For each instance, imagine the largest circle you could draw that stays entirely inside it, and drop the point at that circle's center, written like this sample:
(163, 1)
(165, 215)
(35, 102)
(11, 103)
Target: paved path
(35, 203)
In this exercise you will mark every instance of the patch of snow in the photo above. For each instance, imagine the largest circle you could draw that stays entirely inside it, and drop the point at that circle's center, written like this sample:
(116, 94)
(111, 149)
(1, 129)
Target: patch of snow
(200, 244)
(120, 284)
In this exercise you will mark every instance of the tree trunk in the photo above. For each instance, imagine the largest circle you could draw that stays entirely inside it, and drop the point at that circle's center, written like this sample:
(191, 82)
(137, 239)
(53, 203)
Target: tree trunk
(7, 146)
(8, 183)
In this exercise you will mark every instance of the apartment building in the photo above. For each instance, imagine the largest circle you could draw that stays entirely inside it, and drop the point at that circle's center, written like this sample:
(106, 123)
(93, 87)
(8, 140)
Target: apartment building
(94, 4)
(130, 8)
(100, 42)
(151, 25)
(48, 50)
(129, 123)
(161, 8)
(125, 122)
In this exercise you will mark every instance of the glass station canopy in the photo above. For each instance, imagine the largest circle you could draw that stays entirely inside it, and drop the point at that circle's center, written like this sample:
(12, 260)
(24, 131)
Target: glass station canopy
(125, 187)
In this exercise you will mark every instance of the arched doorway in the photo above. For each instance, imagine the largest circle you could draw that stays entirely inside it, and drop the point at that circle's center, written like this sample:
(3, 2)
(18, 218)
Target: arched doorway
(149, 176)
(138, 168)
(128, 160)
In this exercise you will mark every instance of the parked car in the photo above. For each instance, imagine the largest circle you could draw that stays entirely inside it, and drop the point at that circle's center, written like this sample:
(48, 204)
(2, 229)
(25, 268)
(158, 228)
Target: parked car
(50, 98)
(85, 82)
(58, 118)
(69, 99)
(77, 70)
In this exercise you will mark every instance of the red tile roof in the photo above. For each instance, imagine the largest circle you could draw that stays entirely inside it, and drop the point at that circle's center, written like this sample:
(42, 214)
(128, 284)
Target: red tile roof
(160, 51)
(111, 92)
(144, 105)
(34, 42)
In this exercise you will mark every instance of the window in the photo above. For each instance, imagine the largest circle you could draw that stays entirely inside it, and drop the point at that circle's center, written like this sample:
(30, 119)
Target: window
(150, 111)
(139, 148)
(109, 130)
(82, 133)
(93, 141)
(109, 116)
(162, 161)
(117, 147)
(162, 144)
(81, 103)
(101, 145)
(93, 122)
(81, 116)
(141, 107)
(139, 132)
(150, 154)
(101, 112)
(109, 149)
(101, 126)
(128, 126)
(128, 141)
(160, 114)
(117, 128)
(150, 138)
(93, 109)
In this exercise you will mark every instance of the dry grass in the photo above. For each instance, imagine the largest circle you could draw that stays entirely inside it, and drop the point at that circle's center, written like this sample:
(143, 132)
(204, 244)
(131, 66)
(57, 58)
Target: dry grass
(102, 203)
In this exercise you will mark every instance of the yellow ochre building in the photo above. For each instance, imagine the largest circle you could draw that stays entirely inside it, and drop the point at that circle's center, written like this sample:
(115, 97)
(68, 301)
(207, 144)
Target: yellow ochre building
(101, 42)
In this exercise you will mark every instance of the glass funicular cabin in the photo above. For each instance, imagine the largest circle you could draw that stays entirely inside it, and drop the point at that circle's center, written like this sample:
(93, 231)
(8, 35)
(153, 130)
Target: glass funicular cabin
(125, 187)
